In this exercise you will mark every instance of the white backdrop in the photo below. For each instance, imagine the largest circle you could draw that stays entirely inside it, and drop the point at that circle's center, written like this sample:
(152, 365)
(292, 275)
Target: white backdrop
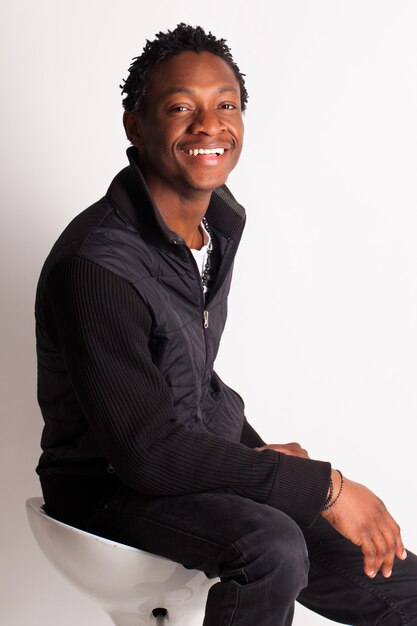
(322, 336)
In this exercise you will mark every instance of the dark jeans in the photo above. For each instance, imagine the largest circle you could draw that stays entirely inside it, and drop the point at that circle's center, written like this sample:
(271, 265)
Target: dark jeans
(263, 559)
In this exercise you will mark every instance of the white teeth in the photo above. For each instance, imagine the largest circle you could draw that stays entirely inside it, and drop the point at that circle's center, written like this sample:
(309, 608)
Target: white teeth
(196, 151)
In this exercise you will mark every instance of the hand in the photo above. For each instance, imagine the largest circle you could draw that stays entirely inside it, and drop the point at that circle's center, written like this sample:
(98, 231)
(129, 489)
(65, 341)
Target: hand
(293, 449)
(360, 516)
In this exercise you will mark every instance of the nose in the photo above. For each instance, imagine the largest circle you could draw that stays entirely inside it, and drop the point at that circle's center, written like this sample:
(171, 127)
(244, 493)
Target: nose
(207, 122)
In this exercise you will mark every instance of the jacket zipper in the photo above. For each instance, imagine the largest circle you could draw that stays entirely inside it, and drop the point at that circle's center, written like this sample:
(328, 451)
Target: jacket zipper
(219, 281)
(205, 313)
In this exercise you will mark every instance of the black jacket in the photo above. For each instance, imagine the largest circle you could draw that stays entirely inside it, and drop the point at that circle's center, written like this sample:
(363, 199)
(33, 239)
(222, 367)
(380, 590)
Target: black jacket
(126, 345)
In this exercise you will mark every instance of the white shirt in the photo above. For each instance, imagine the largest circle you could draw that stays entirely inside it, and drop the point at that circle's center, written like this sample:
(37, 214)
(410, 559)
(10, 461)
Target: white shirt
(201, 255)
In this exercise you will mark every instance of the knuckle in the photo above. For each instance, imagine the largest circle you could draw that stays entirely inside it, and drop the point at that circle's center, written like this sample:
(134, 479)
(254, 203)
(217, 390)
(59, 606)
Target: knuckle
(391, 544)
(386, 550)
(371, 553)
(364, 532)
(381, 511)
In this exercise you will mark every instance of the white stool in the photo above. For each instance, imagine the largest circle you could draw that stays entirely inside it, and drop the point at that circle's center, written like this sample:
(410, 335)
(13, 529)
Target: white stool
(134, 587)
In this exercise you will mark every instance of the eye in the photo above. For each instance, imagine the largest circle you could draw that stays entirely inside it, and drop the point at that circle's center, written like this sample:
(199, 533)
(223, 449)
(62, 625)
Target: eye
(228, 106)
(179, 108)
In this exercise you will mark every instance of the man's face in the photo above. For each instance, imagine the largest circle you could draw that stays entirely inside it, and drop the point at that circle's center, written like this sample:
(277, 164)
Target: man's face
(192, 104)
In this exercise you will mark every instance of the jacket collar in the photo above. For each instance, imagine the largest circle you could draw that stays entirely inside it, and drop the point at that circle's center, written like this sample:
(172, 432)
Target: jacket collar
(129, 195)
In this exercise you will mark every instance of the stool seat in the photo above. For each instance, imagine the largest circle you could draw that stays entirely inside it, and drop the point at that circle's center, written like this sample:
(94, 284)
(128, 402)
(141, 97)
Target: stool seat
(134, 587)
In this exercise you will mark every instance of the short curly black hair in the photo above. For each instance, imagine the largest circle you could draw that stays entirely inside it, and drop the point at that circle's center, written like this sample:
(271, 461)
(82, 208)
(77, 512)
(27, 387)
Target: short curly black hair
(169, 44)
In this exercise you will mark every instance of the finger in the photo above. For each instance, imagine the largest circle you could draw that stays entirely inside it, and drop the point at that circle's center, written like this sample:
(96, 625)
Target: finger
(388, 544)
(385, 544)
(400, 550)
(295, 449)
(402, 553)
(369, 556)
(377, 554)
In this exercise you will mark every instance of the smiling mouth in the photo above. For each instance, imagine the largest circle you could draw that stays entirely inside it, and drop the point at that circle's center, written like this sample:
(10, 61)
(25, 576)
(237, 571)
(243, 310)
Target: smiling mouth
(205, 151)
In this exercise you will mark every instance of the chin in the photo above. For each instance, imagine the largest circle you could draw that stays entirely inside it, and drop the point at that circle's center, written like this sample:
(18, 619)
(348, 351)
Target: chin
(209, 184)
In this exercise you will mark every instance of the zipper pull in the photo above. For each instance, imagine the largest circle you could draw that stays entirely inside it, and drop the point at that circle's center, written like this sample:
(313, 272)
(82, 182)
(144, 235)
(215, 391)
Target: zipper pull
(205, 318)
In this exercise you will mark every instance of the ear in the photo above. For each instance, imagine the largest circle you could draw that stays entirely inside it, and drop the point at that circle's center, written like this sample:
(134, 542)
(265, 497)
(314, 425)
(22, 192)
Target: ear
(131, 123)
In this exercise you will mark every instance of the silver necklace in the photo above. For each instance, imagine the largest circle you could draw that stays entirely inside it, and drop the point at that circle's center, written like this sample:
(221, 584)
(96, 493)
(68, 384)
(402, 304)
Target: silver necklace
(205, 275)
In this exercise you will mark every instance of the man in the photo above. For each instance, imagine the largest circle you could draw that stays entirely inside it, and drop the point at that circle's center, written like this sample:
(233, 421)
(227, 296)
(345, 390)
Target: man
(143, 443)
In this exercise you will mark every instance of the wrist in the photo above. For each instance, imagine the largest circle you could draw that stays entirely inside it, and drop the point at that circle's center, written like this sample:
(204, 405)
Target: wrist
(334, 492)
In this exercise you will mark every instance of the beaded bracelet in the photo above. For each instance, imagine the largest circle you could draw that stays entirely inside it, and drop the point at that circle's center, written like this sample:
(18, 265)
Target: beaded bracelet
(330, 496)
(328, 504)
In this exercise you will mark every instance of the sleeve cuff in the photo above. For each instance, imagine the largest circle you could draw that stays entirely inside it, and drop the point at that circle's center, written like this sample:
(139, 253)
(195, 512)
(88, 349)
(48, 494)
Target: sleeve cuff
(300, 488)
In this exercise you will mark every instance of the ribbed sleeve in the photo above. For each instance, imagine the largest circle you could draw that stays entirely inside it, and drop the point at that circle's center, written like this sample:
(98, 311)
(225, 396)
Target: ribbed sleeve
(102, 327)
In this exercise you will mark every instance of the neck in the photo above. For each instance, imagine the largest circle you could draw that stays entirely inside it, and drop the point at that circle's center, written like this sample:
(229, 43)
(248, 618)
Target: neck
(181, 214)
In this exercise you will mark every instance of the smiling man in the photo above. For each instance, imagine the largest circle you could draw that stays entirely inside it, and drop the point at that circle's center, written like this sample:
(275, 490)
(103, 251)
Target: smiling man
(143, 443)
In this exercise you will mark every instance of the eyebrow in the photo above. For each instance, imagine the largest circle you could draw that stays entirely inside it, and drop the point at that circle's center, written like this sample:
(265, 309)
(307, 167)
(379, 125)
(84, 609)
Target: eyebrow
(174, 90)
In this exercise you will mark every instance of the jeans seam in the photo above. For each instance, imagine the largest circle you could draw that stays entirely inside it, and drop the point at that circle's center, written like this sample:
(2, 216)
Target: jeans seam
(235, 547)
(232, 617)
(375, 593)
